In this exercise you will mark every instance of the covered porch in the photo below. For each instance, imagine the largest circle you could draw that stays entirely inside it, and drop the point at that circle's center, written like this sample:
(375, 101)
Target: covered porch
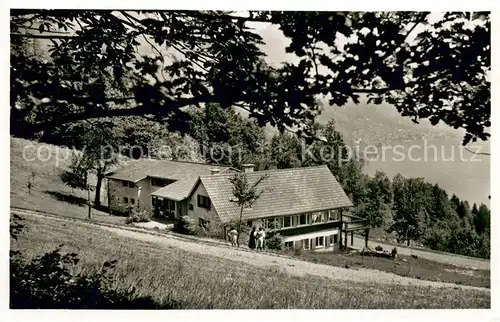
(349, 225)
(168, 208)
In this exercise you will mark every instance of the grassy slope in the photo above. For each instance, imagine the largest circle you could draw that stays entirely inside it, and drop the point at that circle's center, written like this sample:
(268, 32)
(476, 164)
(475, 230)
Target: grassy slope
(197, 281)
(405, 266)
(48, 192)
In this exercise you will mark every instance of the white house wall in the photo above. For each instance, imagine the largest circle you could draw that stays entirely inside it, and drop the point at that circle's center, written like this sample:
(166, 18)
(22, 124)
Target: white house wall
(199, 212)
(144, 194)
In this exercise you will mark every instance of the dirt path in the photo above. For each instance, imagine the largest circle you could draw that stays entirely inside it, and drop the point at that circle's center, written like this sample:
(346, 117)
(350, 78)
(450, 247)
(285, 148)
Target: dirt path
(286, 264)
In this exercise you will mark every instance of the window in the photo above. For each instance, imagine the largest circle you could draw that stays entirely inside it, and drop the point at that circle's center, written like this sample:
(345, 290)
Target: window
(276, 223)
(305, 243)
(125, 183)
(303, 219)
(131, 185)
(335, 239)
(271, 223)
(125, 199)
(287, 222)
(332, 239)
(132, 201)
(158, 182)
(190, 207)
(319, 241)
(289, 244)
(317, 217)
(204, 202)
(333, 215)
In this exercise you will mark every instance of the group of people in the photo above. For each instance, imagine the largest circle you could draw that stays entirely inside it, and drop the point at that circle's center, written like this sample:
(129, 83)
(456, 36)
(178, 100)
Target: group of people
(255, 240)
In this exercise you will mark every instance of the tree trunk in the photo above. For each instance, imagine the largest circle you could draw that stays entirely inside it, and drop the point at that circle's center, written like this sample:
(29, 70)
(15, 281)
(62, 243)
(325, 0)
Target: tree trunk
(239, 227)
(88, 195)
(367, 233)
(100, 176)
(408, 242)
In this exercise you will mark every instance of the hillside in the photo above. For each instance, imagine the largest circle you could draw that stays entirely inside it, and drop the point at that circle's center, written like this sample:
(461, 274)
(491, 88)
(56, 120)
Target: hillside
(48, 192)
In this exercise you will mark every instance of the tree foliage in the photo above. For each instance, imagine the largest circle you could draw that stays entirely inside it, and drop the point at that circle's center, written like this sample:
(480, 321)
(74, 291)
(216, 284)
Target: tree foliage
(245, 194)
(435, 69)
(224, 136)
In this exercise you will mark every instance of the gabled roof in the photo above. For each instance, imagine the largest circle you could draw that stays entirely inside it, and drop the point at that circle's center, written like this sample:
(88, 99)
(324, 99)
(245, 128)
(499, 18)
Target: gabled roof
(286, 192)
(185, 173)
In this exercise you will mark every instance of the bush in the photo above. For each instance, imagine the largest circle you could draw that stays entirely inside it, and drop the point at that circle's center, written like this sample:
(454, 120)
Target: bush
(186, 225)
(138, 216)
(275, 242)
(379, 248)
(47, 283)
(394, 252)
(210, 228)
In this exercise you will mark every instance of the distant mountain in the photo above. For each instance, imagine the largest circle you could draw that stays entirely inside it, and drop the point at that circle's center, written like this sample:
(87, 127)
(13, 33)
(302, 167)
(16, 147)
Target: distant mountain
(375, 124)
(436, 152)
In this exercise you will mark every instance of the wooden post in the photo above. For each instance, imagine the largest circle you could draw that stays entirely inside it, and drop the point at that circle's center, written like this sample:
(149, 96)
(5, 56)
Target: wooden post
(340, 231)
(345, 236)
(90, 204)
(88, 194)
(109, 196)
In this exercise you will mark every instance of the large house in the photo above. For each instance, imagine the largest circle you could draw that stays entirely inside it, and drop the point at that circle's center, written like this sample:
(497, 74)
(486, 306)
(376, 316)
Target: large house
(305, 204)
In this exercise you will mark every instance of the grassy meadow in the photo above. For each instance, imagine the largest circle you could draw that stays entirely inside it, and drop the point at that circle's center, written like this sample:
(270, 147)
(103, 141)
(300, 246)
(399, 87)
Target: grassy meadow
(48, 192)
(192, 281)
(419, 268)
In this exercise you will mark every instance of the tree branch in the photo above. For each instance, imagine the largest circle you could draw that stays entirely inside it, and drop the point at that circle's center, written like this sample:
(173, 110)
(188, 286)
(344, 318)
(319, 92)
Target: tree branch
(44, 36)
(135, 111)
(476, 153)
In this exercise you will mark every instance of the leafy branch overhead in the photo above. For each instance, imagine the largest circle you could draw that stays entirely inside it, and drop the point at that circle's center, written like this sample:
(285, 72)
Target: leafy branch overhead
(435, 69)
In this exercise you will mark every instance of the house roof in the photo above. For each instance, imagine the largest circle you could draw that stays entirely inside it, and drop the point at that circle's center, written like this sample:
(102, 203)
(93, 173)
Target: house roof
(185, 173)
(286, 192)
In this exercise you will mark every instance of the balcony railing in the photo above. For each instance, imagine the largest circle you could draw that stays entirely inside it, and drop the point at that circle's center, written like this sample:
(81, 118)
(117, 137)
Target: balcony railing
(302, 220)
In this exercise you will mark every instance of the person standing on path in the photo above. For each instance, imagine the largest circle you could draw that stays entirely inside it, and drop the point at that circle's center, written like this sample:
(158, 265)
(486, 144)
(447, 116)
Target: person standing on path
(252, 240)
(261, 235)
(233, 236)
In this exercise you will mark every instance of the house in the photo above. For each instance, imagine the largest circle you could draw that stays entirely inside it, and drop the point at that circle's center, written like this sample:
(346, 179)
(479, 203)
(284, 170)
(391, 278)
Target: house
(157, 186)
(304, 204)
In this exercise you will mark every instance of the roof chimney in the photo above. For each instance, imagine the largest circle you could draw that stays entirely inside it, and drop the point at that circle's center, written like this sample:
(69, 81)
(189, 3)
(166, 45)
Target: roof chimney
(214, 171)
(247, 168)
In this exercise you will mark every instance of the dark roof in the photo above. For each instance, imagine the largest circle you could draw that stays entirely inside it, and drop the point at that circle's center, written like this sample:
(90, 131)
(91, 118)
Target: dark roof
(185, 173)
(286, 192)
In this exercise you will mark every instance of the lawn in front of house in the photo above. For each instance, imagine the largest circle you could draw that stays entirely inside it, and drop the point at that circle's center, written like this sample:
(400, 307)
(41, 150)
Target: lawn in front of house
(405, 266)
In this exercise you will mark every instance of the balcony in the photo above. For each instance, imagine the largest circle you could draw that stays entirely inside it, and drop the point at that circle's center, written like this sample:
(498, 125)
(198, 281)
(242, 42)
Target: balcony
(304, 223)
(298, 230)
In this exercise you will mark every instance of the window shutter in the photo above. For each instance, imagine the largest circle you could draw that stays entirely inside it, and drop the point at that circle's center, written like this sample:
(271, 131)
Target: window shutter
(198, 200)
(209, 203)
